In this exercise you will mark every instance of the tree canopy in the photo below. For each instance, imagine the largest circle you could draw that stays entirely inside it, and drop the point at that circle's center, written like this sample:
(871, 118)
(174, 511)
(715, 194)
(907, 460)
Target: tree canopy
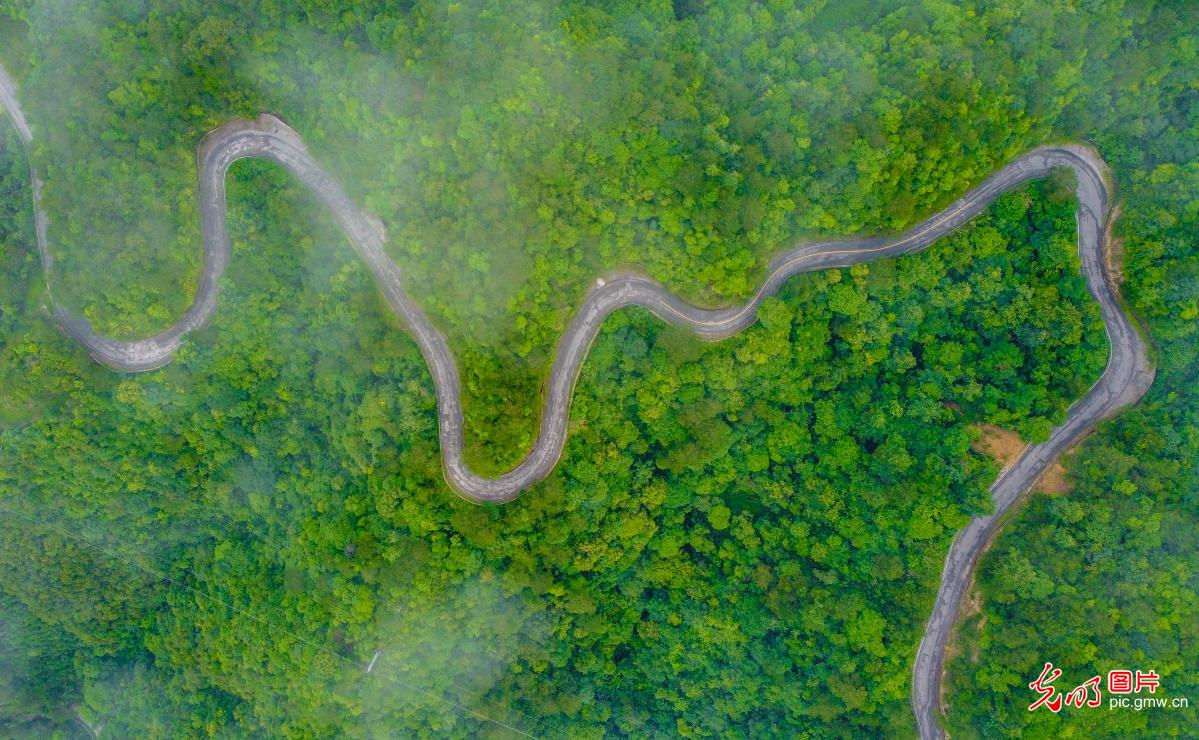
(742, 538)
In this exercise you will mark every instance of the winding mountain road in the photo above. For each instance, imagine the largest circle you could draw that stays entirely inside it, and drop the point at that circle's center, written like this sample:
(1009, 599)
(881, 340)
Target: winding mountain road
(1126, 378)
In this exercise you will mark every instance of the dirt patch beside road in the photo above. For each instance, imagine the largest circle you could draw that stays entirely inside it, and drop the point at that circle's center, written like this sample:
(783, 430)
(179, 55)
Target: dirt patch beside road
(1005, 446)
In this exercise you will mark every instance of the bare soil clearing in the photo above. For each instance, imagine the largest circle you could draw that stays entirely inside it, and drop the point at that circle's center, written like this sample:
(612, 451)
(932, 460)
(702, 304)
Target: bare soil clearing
(1128, 375)
(1005, 447)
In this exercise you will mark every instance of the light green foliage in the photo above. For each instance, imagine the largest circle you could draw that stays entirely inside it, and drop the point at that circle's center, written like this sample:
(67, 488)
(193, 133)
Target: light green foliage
(1109, 570)
(285, 470)
(741, 538)
(513, 154)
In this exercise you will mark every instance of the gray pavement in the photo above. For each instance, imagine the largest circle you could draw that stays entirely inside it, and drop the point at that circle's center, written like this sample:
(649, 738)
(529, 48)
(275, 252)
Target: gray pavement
(1126, 378)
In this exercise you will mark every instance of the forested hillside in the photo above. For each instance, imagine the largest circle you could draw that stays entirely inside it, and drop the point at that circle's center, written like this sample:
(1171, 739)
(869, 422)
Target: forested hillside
(1109, 572)
(742, 538)
(595, 138)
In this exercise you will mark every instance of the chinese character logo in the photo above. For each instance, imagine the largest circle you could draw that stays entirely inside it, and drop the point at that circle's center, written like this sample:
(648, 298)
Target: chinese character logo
(1088, 694)
(1119, 682)
(1079, 695)
(1049, 696)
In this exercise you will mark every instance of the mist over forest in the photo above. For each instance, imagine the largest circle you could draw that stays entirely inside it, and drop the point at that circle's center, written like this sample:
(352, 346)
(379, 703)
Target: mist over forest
(742, 538)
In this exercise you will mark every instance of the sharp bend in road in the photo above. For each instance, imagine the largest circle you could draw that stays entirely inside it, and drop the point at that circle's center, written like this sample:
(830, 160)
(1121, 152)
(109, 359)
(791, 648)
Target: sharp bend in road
(1126, 378)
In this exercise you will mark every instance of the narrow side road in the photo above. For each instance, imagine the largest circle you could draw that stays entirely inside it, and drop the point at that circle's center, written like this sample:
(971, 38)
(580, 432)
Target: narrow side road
(1126, 378)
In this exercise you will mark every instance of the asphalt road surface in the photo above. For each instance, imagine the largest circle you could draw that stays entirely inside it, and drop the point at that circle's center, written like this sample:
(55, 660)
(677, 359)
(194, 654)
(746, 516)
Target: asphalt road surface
(1126, 378)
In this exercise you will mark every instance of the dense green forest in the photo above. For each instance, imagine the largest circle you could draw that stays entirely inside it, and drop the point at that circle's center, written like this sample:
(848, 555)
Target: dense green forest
(1111, 572)
(742, 538)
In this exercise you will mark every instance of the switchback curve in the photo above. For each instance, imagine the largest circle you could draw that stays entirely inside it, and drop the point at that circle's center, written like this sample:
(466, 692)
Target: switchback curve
(1126, 378)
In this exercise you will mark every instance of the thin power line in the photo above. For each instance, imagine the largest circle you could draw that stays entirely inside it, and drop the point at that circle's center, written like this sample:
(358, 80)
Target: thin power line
(270, 625)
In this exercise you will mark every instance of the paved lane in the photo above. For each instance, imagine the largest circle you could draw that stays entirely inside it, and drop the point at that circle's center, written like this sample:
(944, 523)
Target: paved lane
(1126, 378)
